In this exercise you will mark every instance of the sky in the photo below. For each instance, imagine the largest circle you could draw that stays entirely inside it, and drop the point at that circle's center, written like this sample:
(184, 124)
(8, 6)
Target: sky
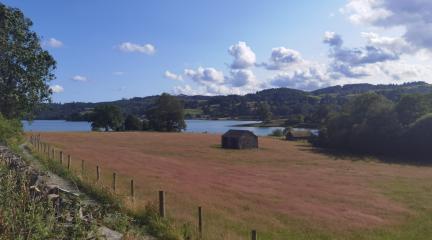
(108, 50)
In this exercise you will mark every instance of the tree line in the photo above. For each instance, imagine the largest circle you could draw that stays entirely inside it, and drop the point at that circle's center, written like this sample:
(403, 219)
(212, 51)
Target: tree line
(165, 115)
(371, 123)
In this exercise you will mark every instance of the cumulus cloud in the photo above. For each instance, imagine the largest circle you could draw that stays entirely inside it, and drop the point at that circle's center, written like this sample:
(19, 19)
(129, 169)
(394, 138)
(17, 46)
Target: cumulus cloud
(242, 78)
(79, 78)
(309, 78)
(133, 47)
(394, 44)
(243, 55)
(282, 57)
(345, 61)
(205, 75)
(57, 89)
(54, 43)
(333, 39)
(173, 76)
(413, 15)
(210, 81)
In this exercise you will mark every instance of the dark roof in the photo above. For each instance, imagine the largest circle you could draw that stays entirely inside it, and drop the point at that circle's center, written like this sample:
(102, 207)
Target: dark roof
(238, 133)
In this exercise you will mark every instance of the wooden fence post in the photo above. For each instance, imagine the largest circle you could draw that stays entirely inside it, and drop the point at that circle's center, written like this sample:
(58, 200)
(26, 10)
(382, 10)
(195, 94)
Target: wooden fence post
(69, 162)
(200, 222)
(61, 157)
(162, 204)
(114, 181)
(97, 173)
(254, 235)
(132, 189)
(82, 167)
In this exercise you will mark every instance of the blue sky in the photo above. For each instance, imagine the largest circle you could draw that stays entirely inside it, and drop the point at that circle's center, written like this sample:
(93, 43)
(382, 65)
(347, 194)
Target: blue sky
(108, 50)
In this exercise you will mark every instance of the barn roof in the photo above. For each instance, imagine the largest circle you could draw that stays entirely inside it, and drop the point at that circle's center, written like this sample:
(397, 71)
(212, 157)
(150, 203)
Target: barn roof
(238, 133)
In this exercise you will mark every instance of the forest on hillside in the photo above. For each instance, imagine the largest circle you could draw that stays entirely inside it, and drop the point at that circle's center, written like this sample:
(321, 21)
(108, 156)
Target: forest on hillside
(293, 106)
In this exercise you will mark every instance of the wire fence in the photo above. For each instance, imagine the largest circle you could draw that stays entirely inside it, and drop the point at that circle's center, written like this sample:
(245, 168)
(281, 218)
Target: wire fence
(123, 187)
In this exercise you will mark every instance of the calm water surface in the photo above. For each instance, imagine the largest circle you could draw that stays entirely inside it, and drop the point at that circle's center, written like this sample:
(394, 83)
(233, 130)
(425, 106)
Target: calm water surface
(210, 126)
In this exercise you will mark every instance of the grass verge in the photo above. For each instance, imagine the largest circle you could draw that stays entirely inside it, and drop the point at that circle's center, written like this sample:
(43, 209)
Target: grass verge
(116, 212)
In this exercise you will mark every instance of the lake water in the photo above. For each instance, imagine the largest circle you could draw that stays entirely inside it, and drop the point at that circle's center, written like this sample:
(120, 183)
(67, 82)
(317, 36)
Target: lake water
(198, 126)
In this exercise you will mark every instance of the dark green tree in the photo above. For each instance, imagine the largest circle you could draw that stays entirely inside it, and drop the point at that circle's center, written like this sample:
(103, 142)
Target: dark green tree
(419, 136)
(133, 123)
(145, 125)
(25, 68)
(264, 112)
(411, 107)
(107, 117)
(167, 114)
(368, 123)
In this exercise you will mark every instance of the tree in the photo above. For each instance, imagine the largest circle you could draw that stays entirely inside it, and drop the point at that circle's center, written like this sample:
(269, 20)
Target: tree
(410, 108)
(25, 68)
(368, 123)
(107, 117)
(167, 114)
(132, 123)
(419, 136)
(264, 112)
(145, 125)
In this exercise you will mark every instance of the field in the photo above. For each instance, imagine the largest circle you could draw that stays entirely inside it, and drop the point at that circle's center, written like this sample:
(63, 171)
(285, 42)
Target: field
(284, 190)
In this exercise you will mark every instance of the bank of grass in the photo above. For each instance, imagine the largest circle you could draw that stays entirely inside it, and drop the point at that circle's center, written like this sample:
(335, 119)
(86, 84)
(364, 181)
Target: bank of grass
(119, 214)
(25, 217)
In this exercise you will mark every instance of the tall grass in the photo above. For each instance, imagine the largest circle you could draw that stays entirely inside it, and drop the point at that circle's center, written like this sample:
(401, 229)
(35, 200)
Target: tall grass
(118, 212)
(23, 216)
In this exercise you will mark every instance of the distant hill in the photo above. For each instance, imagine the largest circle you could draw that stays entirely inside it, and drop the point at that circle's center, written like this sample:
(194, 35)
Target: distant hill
(284, 102)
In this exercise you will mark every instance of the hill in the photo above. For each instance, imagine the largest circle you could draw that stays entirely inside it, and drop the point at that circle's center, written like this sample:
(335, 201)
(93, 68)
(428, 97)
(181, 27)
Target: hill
(285, 103)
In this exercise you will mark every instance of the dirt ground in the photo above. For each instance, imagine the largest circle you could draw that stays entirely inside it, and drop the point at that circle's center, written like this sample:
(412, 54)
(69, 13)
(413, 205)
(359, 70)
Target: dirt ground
(267, 188)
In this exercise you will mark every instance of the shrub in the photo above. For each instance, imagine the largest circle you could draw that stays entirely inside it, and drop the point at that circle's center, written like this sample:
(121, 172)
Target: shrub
(10, 131)
(132, 123)
(277, 133)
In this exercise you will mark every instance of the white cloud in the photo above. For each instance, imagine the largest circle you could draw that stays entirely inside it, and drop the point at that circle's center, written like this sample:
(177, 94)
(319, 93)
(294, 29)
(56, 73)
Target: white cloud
(413, 15)
(365, 11)
(54, 43)
(282, 57)
(133, 47)
(79, 78)
(333, 39)
(205, 75)
(242, 78)
(347, 62)
(394, 44)
(243, 55)
(57, 89)
(173, 76)
(118, 73)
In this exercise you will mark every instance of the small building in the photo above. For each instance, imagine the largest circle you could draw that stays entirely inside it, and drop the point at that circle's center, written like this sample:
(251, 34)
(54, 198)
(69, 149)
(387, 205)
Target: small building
(239, 139)
(298, 135)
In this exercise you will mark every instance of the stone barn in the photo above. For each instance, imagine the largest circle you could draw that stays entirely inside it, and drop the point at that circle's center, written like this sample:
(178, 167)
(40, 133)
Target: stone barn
(239, 139)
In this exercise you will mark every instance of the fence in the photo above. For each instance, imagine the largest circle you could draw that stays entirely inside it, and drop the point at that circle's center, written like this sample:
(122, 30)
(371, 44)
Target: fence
(89, 171)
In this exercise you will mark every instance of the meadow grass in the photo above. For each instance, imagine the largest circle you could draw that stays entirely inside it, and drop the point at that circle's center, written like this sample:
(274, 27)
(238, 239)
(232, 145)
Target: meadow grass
(287, 165)
(120, 213)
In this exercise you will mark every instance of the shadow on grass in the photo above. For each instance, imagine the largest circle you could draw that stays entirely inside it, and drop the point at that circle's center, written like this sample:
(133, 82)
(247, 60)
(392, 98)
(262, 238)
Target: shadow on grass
(337, 154)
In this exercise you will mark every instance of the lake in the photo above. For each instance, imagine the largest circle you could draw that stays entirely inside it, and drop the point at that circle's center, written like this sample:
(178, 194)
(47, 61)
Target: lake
(198, 126)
